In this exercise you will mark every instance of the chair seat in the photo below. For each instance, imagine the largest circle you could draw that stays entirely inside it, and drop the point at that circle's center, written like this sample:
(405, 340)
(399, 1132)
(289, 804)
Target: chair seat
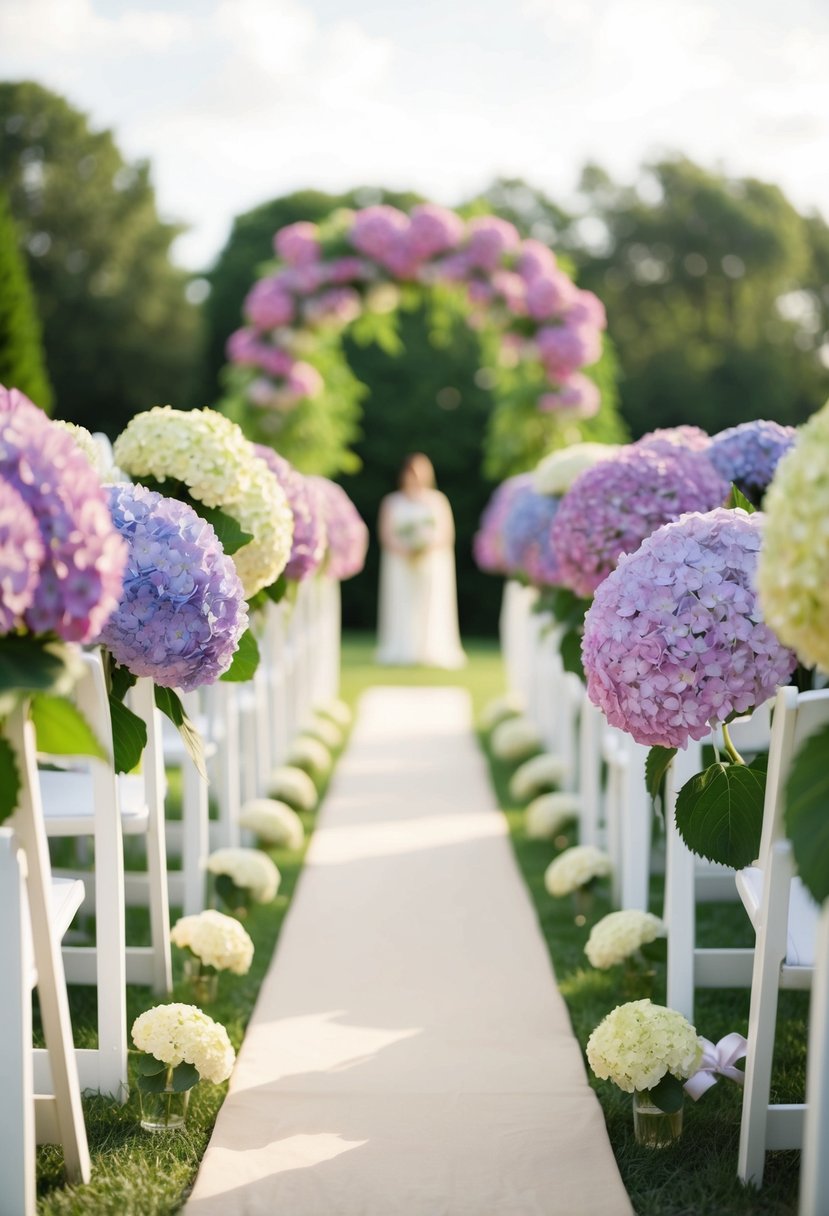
(65, 897)
(67, 803)
(803, 915)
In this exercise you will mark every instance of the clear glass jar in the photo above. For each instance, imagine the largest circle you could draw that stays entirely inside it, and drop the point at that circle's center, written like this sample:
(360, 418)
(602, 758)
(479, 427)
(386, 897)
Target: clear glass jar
(204, 984)
(165, 1111)
(654, 1127)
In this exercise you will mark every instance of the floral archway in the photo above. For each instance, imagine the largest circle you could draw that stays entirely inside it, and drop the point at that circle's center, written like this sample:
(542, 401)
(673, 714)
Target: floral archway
(288, 380)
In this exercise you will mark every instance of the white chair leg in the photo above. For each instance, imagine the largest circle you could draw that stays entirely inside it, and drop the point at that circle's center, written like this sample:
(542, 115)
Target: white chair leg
(196, 837)
(814, 1173)
(636, 831)
(592, 727)
(228, 775)
(156, 840)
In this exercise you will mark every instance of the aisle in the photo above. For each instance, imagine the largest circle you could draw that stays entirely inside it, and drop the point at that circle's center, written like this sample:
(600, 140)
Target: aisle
(409, 1053)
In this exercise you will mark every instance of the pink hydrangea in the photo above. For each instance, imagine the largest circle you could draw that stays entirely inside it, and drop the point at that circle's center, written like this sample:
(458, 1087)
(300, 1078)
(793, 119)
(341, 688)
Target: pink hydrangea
(549, 294)
(611, 508)
(268, 305)
(433, 230)
(337, 305)
(308, 545)
(304, 381)
(377, 231)
(21, 556)
(488, 544)
(345, 528)
(489, 238)
(585, 308)
(578, 395)
(512, 289)
(674, 641)
(298, 244)
(566, 348)
(535, 260)
(247, 349)
(81, 577)
(454, 269)
(350, 270)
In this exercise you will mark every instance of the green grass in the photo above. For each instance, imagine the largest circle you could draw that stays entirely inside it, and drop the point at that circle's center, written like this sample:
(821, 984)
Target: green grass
(138, 1174)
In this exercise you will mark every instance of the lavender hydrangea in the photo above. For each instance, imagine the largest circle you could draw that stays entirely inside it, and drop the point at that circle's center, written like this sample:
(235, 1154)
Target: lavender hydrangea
(748, 454)
(488, 544)
(665, 438)
(527, 536)
(183, 609)
(21, 555)
(81, 575)
(612, 507)
(345, 528)
(674, 641)
(308, 545)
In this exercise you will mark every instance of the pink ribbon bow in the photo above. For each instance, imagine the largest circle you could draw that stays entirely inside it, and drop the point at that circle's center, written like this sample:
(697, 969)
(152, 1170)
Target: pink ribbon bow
(717, 1058)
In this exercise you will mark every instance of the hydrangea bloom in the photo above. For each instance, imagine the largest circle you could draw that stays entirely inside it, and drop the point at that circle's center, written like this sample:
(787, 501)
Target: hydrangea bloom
(611, 508)
(273, 822)
(556, 473)
(748, 454)
(575, 868)
(216, 940)
(488, 545)
(498, 710)
(21, 556)
(249, 869)
(638, 1043)
(540, 773)
(674, 641)
(219, 467)
(298, 244)
(527, 535)
(338, 712)
(378, 231)
(619, 935)
(793, 570)
(692, 438)
(547, 814)
(183, 609)
(83, 556)
(309, 754)
(345, 528)
(294, 786)
(488, 239)
(578, 395)
(176, 1034)
(515, 739)
(327, 732)
(308, 544)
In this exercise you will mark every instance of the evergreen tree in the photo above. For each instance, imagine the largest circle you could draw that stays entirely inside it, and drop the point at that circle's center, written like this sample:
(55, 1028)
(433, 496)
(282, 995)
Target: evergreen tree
(21, 351)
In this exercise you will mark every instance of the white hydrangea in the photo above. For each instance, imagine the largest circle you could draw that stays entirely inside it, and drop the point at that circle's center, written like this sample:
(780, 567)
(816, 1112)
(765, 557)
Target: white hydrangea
(546, 815)
(537, 775)
(515, 739)
(250, 869)
(619, 935)
(495, 711)
(294, 786)
(216, 940)
(309, 754)
(176, 1034)
(557, 472)
(336, 710)
(327, 733)
(638, 1043)
(574, 868)
(274, 822)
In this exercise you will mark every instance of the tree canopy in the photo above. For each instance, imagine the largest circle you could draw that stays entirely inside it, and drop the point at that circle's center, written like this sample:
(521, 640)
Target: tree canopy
(118, 331)
(21, 349)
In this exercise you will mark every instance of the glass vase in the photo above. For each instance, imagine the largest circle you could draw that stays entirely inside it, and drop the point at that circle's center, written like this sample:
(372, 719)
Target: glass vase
(582, 898)
(165, 1111)
(653, 1127)
(203, 984)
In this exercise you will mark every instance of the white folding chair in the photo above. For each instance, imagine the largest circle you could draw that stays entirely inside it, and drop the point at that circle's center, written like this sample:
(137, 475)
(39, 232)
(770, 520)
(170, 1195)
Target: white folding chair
(784, 917)
(592, 726)
(814, 1169)
(629, 819)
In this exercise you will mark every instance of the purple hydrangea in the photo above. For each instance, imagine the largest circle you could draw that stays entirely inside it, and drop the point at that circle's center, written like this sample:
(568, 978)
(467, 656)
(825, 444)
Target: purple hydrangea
(577, 395)
(692, 438)
(308, 545)
(674, 641)
(748, 454)
(298, 244)
(378, 232)
(81, 576)
(183, 609)
(433, 230)
(527, 531)
(489, 238)
(21, 556)
(612, 507)
(488, 544)
(345, 528)
(268, 305)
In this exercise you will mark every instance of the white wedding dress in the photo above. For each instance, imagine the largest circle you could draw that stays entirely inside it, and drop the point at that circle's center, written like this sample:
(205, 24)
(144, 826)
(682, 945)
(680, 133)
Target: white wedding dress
(418, 610)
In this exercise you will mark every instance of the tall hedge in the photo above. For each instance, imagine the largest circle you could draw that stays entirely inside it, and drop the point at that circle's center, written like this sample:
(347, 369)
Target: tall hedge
(22, 362)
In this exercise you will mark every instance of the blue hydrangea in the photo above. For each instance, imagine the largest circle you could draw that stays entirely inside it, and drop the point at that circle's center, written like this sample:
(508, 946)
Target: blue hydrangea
(183, 609)
(527, 529)
(748, 454)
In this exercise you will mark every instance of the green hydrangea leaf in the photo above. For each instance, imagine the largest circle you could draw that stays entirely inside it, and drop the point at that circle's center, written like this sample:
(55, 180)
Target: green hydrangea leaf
(129, 736)
(185, 1076)
(719, 812)
(668, 1095)
(245, 660)
(169, 702)
(807, 822)
(656, 766)
(9, 779)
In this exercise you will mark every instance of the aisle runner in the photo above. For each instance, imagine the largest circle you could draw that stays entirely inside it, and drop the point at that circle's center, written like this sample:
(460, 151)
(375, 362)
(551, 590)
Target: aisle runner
(410, 1053)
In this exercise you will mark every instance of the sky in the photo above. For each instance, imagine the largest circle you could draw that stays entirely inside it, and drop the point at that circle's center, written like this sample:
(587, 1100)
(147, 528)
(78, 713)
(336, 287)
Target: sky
(238, 101)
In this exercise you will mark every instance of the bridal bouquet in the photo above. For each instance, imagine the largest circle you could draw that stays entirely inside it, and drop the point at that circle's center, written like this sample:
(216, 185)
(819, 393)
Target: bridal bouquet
(416, 535)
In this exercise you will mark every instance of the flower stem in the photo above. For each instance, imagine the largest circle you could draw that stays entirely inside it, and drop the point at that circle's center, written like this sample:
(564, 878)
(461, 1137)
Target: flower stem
(168, 1090)
(736, 758)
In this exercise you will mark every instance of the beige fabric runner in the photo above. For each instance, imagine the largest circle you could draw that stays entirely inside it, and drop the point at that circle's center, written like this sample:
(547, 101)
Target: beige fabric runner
(410, 1053)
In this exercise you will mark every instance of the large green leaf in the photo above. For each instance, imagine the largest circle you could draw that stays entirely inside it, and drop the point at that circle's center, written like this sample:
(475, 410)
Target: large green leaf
(62, 730)
(570, 651)
(245, 660)
(807, 813)
(147, 1065)
(121, 681)
(129, 736)
(567, 608)
(9, 779)
(668, 1095)
(737, 498)
(185, 1076)
(229, 530)
(656, 766)
(170, 704)
(32, 665)
(719, 813)
(231, 895)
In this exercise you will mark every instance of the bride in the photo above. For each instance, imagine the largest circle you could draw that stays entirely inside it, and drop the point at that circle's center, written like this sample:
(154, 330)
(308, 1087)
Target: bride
(418, 613)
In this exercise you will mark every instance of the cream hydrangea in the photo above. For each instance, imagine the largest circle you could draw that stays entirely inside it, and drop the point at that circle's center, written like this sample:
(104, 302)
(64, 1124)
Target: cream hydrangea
(336, 710)
(176, 1034)
(250, 869)
(557, 472)
(310, 754)
(574, 868)
(638, 1043)
(326, 731)
(546, 815)
(536, 775)
(498, 710)
(216, 940)
(274, 822)
(515, 739)
(294, 786)
(220, 468)
(619, 935)
(793, 568)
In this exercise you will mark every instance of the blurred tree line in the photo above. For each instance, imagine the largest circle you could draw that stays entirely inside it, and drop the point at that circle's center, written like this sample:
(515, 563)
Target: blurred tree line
(717, 292)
